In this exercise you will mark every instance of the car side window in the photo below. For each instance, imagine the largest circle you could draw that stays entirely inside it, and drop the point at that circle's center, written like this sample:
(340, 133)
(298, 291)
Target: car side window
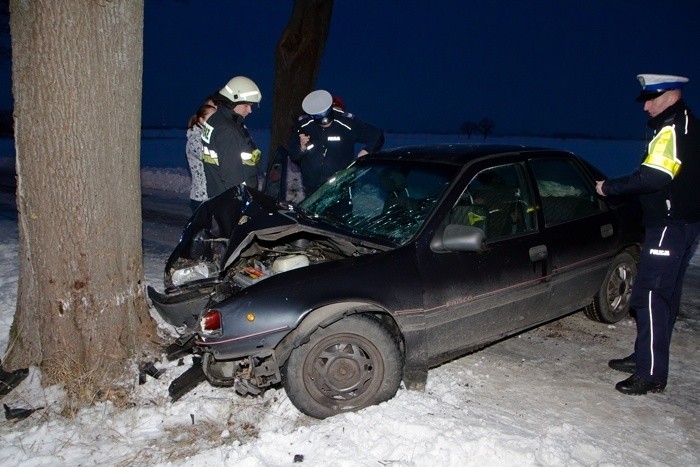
(498, 201)
(564, 191)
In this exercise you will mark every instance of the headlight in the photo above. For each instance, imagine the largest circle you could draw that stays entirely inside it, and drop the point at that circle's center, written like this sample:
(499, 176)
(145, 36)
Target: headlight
(194, 273)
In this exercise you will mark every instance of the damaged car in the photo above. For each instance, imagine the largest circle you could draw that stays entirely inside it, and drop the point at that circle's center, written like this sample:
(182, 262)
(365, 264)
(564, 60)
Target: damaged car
(404, 260)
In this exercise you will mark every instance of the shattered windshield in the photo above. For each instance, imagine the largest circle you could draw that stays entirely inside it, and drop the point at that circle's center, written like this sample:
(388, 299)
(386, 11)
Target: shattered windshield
(388, 200)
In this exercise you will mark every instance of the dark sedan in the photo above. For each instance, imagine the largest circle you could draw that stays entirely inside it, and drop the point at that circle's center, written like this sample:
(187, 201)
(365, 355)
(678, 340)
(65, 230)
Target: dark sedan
(404, 260)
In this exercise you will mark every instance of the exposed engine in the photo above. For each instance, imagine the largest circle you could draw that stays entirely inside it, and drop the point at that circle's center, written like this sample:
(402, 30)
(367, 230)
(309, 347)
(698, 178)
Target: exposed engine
(262, 259)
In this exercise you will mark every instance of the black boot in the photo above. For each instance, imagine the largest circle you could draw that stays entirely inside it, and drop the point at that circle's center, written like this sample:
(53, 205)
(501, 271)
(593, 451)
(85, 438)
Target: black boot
(625, 365)
(636, 386)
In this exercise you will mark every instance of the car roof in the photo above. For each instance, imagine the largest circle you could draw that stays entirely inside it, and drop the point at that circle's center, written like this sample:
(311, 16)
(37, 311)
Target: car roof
(456, 153)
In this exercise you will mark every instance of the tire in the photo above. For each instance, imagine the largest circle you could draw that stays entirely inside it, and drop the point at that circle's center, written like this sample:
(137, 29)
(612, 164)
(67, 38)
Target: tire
(351, 364)
(612, 302)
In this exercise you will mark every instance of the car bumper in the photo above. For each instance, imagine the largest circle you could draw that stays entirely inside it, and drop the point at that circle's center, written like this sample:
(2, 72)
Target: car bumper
(180, 308)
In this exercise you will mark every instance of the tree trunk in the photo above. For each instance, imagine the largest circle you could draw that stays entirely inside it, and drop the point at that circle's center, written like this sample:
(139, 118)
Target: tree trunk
(76, 71)
(297, 62)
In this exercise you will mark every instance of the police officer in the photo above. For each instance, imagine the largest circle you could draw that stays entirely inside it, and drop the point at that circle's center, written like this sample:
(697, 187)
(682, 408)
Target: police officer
(325, 137)
(229, 154)
(666, 183)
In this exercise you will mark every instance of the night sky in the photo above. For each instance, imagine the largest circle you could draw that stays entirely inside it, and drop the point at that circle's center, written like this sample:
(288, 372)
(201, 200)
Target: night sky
(531, 66)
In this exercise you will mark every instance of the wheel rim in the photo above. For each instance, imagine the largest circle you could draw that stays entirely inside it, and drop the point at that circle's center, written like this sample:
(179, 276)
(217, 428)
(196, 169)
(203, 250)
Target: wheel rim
(619, 288)
(343, 368)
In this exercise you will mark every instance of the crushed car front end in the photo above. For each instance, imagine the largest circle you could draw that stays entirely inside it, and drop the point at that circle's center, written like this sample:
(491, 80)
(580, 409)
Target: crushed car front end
(248, 270)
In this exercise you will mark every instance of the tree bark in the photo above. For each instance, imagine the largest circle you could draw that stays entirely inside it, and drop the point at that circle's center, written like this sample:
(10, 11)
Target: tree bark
(297, 61)
(77, 80)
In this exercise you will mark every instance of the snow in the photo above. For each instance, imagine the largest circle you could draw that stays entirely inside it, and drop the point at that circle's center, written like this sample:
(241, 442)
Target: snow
(544, 397)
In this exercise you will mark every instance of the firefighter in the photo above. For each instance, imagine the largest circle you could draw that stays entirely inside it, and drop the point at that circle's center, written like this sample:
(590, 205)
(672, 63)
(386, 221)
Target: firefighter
(666, 185)
(229, 154)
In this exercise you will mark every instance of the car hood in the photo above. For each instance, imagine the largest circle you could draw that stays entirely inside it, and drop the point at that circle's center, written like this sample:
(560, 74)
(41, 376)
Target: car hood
(224, 228)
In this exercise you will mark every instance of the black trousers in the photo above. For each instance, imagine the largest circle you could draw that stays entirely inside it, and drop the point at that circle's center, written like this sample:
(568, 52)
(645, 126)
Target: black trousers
(656, 294)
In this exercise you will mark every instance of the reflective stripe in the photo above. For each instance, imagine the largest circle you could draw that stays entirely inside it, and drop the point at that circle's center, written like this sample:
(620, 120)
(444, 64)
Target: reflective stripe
(651, 336)
(663, 234)
(662, 152)
(251, 158)
(346, 126)
(209, 156)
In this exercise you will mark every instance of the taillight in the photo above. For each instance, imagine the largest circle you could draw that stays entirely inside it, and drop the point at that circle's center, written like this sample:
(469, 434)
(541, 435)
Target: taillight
(211, 321)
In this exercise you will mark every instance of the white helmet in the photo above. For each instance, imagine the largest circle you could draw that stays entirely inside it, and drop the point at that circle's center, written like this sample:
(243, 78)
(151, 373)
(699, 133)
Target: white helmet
(318, 105)
(240, 89)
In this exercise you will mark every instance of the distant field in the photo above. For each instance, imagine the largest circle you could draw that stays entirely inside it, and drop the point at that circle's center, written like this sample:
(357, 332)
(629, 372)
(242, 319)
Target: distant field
(165, 148)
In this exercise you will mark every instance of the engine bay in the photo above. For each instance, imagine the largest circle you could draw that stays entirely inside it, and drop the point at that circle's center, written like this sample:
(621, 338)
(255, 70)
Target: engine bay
(264, 258)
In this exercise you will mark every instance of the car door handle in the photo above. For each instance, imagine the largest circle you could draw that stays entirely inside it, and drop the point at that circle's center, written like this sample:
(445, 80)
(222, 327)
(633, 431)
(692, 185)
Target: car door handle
(606, 230)
(538, 253)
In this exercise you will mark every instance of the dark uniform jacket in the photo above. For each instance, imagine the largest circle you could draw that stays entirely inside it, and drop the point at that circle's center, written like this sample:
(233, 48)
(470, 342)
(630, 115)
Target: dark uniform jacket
(667, 181)
(331, 148)
(227, 152)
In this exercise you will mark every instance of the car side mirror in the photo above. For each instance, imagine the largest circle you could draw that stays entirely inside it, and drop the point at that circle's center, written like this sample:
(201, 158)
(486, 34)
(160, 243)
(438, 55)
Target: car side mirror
(457, 237)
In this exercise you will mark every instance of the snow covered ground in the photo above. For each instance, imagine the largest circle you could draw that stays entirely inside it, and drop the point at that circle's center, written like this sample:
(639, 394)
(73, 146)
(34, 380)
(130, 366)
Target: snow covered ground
(544, 397)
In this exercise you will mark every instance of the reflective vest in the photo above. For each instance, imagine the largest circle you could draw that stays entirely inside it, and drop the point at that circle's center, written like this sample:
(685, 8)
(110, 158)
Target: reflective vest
(662, 153)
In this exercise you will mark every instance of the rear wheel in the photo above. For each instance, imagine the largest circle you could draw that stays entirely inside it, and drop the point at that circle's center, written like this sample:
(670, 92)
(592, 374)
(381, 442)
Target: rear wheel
(351, 364)
(612, 302)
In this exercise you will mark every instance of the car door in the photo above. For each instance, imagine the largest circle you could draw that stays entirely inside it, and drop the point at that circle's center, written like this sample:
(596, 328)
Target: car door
(579, 231)
(477, 297)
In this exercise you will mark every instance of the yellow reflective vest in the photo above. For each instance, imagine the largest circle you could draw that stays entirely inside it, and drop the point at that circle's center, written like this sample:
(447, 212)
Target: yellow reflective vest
(663, 153)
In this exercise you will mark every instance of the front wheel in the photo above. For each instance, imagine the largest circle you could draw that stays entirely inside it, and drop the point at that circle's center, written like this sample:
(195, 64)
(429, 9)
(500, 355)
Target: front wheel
(612, 302)
(351, 364)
